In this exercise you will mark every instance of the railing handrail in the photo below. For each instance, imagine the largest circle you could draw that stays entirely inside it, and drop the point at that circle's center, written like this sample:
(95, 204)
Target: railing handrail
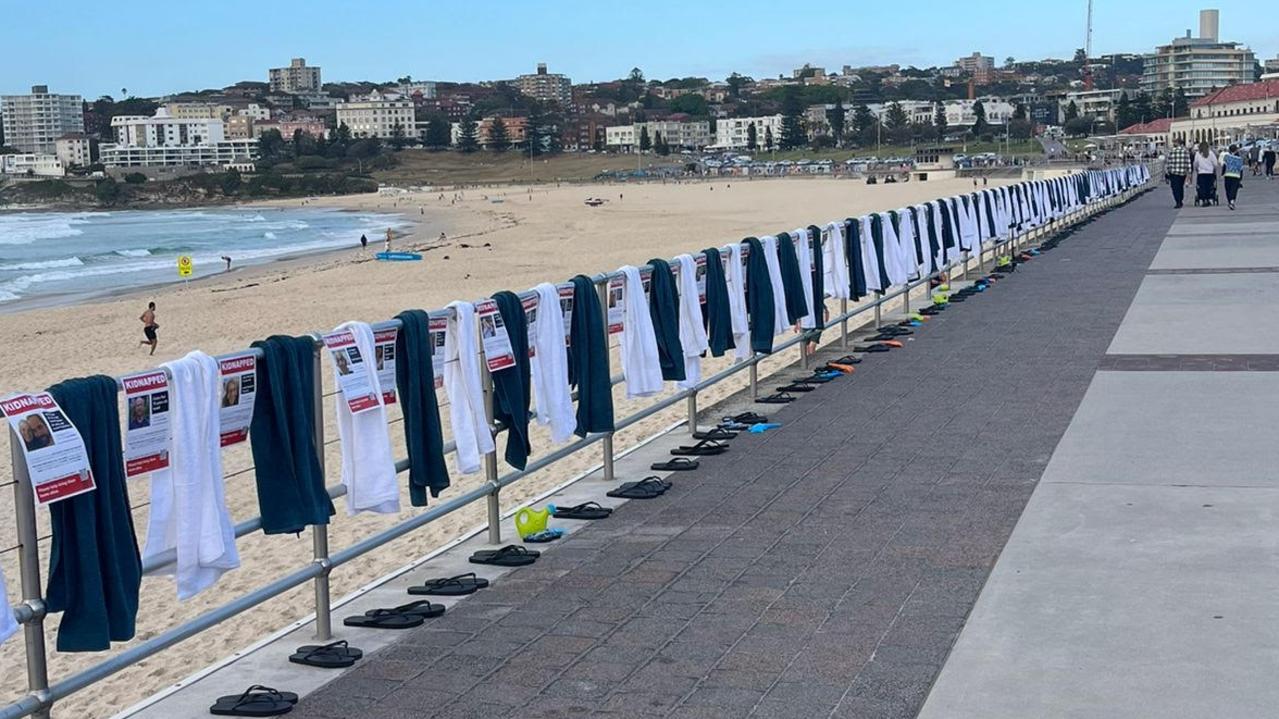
(31, 611)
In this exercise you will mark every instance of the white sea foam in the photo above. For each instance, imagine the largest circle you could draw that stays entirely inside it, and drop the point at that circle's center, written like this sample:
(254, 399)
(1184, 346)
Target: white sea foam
(44, 265)
(133, 253)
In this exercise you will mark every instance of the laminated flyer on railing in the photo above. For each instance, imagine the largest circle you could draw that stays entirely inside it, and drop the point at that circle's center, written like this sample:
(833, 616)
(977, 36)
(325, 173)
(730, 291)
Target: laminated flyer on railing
(437, 328)
(530, 319)
(52, 447)
(616, 308)
(147, 433)
(239, 377)
(566, 309)
(351, 371)
(493, 336)
(384, 360)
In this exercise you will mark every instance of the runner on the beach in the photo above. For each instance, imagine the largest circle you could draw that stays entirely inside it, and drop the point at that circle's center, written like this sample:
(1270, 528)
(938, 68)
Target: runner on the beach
(149, 326)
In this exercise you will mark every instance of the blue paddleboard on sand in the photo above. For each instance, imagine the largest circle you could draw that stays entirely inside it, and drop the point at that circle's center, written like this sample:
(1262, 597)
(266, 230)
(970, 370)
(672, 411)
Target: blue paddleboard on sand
(398, 256)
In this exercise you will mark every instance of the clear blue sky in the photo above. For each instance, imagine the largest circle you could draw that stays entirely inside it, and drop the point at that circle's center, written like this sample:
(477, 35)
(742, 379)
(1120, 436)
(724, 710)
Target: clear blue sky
(154, 47)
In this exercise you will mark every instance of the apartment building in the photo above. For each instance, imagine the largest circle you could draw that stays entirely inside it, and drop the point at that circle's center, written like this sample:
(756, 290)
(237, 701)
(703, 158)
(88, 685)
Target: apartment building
(74, 149)
(33, 123)
(731, 133)
(32, 164)
(678, 132)
(163, 140)
(1198, 65)
(1092, 104)
(1230, 114)
(377, 116)
(546, 86)
(297, 78)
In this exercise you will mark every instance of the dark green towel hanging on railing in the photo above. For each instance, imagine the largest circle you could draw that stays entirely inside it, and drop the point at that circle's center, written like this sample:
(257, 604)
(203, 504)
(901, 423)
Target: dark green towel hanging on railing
(715, 311)
(759, 298)
(290, 481)
(877, 238)
(819, 277)
(663, 307)
(94, 566)
(588, 360)
(512, 386)
(792, 280)
(853, 251)
(423, 432)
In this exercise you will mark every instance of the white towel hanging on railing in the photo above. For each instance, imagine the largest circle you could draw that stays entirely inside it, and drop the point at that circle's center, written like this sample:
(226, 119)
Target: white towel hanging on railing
(804, 252)
(368, 467)
(781, 319)
(735, 278)
(466, 392)
(549, 366)
(692, 331)
(835, 275)
(188, 505)
(640, 362)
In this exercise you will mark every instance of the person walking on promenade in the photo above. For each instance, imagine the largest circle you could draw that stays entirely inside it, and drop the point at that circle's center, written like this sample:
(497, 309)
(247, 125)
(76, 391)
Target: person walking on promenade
(1268, 159)
(1176, 167)
(1232, 174)
(1205, 164)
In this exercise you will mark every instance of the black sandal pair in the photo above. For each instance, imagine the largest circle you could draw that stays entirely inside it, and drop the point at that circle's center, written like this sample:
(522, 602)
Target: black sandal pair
(334, 655)
(647, 488)
(457, 586)
(585, 510)
(704, 448)
(256, 701)
(679, 464)
(512, 555)
(781, 397)
(405, 616)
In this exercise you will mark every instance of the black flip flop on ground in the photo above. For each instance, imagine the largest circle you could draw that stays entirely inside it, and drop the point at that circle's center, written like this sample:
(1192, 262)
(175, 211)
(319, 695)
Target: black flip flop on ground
(385, 619)
(705, 448)
(334, 655)
(799, 385)
(779, 398)
(586, 510)
(256, 701)
(457, 586)
(679, 464)
(873, 348)
(648, 488)
(747, 418)
(420, 608)
(722, 435)
(512, 555)
(847, 359)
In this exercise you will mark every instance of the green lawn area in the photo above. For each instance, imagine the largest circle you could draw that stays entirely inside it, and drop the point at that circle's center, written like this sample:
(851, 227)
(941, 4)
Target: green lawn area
(1017, 147)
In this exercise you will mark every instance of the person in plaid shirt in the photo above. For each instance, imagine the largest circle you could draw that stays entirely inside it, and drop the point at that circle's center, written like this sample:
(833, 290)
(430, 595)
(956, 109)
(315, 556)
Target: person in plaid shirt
(1176, 167)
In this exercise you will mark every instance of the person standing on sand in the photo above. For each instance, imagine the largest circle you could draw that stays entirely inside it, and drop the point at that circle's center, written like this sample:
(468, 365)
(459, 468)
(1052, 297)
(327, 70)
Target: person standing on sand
(364, 242)
(388, 239)
(149, 326)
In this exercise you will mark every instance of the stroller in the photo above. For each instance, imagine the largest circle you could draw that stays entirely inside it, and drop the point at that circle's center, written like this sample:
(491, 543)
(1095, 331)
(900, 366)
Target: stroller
(1206, 196)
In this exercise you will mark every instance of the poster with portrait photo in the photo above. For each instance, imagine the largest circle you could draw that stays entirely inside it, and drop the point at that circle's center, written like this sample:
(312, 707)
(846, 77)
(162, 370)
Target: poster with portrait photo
(437, 327)
(351, 371)
(566, 309)
(52, 448)
(238, 378)
(496, 343)
(616, 305)
(147, 433)
(384, 361)
(530, 320)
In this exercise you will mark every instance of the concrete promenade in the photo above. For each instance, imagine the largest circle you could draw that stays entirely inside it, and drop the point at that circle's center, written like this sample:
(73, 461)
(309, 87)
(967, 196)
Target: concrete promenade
(827, 569)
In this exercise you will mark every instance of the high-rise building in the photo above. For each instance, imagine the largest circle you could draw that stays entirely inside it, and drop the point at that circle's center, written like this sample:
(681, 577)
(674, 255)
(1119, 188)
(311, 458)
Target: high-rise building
(977, 65)
(546, 86)
(33, 123)
(297, 78)
(1198, 65)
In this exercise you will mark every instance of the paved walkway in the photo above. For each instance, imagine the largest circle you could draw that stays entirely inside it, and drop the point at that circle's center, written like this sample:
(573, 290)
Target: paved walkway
(1142, 579)
(823, 569)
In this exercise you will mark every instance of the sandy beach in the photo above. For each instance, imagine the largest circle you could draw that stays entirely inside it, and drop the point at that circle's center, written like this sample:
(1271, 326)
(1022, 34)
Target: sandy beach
(496, 238)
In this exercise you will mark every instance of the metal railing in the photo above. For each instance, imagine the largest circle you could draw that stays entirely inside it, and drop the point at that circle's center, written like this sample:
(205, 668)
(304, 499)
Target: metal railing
(31, 612)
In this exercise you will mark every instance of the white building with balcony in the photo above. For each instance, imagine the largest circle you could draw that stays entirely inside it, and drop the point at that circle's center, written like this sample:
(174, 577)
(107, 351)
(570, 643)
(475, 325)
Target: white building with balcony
(732, 133)
(32, 123)
(377, 116)
(163, 140)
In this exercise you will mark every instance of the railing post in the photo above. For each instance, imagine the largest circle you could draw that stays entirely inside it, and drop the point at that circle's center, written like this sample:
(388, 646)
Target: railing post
(906, 297)
(494, 500)
(29, 567)
(753, 374)
(320, 532)
(692, 411)
(606, 445)
(879, 301)
(843, 323)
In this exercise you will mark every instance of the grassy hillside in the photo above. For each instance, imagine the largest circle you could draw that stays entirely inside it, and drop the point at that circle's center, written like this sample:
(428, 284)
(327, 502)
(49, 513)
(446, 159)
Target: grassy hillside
(420, 167)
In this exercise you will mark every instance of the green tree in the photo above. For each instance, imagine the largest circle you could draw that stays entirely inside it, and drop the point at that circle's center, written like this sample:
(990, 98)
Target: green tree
(438, 133)
(398, 140)
(896, 117)
(645, 142)
(107, 191)
(939, 121)
(1078, 126)
(231, 182)
(836, 117)
(660, 144)
(1124, 112)
(1021, 129)
(979, 119)
(498, 140)
(1072, 112)
(792, 120)
(735, 84)
(752, 137)
(922, 131)
(1143, 110)
(343, 134)
(1180, 105)
(1019, 110)
(270, 147)
(864, 125)
(135, 178)
(468, 135)
(768, 138)
(690, 104)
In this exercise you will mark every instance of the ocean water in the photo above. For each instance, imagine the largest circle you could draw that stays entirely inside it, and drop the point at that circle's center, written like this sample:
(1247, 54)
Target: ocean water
(48, 256)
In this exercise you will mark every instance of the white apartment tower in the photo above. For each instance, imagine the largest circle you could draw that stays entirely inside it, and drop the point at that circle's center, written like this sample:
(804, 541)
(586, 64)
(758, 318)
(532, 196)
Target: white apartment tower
(298, 78)
(377, 116)
(546, 86)
(33, 123)
(1198, 65)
